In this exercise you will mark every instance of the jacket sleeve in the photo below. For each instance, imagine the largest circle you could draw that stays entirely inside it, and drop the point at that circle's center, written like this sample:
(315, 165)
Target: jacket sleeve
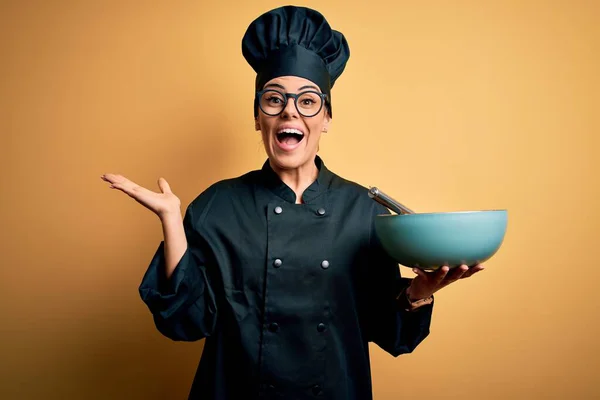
(184, 307)
(392, 328)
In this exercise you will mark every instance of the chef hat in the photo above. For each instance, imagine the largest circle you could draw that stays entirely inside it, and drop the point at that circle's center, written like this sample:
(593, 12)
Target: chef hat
(296, 41)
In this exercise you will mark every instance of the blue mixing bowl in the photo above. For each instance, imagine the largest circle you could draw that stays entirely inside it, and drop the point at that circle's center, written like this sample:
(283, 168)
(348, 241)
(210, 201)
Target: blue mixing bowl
(430, 240)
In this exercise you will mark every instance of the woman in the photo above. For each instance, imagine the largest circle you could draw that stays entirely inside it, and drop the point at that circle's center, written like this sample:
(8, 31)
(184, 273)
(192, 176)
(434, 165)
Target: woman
(280, 269)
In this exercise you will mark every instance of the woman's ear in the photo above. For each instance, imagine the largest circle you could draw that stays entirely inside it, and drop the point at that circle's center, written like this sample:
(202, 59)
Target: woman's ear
(256, 124)
(326, 122)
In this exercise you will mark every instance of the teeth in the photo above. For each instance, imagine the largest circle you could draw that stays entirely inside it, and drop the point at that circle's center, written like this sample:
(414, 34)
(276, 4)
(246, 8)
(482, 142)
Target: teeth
(291, 130)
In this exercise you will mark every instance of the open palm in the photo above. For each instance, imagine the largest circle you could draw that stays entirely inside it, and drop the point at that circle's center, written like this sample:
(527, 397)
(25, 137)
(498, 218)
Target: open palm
(427, 283)
(161, 204)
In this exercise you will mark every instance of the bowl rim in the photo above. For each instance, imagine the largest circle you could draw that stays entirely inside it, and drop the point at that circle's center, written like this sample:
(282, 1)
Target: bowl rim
(501, 210)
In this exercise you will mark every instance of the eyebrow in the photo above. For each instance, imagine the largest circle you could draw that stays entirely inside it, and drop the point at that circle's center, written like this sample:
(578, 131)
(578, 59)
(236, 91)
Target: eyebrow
(274, 85)
(309, 87)
(302, 88)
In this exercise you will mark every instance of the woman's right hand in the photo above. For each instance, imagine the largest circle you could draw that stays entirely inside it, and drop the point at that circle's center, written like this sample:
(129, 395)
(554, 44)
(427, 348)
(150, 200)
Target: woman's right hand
(162, 204)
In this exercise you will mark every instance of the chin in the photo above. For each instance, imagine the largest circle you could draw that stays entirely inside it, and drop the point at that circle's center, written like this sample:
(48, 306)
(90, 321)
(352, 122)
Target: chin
(291, 160)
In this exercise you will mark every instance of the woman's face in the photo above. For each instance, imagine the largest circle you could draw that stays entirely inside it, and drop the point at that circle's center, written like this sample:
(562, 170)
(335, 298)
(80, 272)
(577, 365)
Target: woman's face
(287, 150)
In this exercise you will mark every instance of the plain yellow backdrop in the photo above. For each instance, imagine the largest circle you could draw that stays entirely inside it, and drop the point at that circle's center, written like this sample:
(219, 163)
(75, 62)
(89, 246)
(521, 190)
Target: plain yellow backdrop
(445, 105)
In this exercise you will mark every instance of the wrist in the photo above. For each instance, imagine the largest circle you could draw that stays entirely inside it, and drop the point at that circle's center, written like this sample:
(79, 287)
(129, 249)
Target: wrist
(408, 303)
(411, 297)
(170, 217)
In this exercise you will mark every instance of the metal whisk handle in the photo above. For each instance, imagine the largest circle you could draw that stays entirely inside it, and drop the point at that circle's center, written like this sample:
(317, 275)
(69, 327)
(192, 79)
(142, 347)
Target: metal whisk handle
(388, 202)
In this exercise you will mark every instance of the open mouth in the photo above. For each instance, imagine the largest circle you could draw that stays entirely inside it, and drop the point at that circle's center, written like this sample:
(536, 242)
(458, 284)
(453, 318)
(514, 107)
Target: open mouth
(290, 137)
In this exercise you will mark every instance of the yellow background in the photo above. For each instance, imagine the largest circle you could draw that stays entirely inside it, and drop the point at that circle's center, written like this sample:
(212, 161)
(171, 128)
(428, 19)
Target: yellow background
(445, 105)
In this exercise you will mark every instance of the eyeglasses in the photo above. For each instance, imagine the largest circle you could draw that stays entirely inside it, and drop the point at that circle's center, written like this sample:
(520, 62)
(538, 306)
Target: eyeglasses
(273, 102)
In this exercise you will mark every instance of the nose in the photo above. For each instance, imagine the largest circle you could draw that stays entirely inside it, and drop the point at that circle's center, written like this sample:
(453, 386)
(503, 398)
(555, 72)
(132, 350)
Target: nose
(290, 110)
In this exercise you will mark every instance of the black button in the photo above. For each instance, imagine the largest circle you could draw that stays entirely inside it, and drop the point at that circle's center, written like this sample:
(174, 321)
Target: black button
(271, 388)
(273, 327)
(325, 264)
(321, 211)
(278, 210)
(277, 263)
(321, 327)
(316, 390)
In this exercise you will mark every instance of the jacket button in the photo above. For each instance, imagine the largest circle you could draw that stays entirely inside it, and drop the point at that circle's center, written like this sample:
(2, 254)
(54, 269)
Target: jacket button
(321, 327)
(278, 210)
(325, 264)
(277, 263)
(321, 211)
(316, 390)
(273, 327)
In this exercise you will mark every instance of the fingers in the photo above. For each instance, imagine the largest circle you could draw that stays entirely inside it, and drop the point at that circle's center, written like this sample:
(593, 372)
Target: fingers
(473, 270)
(457, 273)
(420, 272)
(110, 178)
(441, 274)
(120, 182)
(115, 179)
(450, 275)
(461, 272)
(435, 277)
(164, 185)
(431, 282)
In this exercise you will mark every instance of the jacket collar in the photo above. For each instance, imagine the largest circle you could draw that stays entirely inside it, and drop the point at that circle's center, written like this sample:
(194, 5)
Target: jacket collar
(315, 190)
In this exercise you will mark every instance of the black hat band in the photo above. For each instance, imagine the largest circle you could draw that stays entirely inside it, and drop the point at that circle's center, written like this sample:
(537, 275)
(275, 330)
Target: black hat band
(294, 60)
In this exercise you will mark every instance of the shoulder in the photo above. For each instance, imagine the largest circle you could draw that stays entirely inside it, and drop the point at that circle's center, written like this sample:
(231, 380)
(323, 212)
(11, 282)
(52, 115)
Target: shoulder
(356, 194)
(220, 192)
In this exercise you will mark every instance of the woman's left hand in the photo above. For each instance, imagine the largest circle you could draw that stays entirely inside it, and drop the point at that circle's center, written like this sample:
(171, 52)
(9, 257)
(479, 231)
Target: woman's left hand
(427, 283)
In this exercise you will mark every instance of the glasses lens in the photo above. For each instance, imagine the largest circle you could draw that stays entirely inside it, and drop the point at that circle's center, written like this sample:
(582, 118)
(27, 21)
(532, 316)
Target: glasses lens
(272, 102)
(309, 104)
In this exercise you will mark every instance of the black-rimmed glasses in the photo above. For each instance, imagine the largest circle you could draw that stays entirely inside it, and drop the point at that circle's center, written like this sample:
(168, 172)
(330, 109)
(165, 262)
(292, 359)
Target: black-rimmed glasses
(273, 102)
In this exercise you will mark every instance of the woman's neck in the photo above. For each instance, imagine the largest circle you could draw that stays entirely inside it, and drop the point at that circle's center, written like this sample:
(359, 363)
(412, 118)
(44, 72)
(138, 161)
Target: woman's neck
(298, 179)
